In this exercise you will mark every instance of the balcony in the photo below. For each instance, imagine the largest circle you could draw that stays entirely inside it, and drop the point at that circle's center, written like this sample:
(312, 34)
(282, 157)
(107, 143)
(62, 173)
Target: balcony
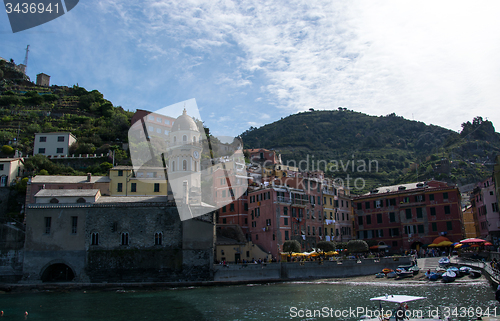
(284, 200)
(300, 202)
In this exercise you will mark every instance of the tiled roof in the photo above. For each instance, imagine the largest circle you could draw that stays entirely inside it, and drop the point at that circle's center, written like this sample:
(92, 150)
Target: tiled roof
(52, 179)
(67, 192)
(132, 199)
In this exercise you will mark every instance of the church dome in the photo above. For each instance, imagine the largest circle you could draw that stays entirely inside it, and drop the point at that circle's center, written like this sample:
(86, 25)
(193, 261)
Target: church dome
(184, 122)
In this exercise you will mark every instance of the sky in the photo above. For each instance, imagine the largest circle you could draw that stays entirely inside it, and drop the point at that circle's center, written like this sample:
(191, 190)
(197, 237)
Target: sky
(250, 63)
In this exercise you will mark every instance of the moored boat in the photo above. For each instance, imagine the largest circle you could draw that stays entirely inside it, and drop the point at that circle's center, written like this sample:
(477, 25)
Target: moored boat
(474, 273)
(401, 301)
(440, 271)
(444, 261)
(402, 273)
(464, 270)
(380, 275)
(415, 269)
(448, 276)
(453, 269)
(391, 275)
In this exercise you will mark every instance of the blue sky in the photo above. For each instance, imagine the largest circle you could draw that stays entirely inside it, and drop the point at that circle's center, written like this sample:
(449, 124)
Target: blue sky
(248, 63)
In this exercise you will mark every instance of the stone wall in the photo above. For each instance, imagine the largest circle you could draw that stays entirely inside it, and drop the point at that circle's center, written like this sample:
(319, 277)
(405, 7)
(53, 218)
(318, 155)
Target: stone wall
(11, 253)
(306, 270)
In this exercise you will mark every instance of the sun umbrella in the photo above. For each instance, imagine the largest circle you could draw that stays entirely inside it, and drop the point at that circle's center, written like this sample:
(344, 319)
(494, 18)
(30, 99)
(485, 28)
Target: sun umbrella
(332, 253)
(374, 247)
(432, 245)
(440, 239)
(487, 244)
(444, 243)
(472, 240)
(458, 246)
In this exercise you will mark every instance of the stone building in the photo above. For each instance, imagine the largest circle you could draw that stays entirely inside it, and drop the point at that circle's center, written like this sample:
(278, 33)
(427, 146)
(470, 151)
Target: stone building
(114, 239)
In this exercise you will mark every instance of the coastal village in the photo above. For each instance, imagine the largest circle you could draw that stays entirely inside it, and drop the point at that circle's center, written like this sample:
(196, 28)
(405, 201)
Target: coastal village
(127, 226)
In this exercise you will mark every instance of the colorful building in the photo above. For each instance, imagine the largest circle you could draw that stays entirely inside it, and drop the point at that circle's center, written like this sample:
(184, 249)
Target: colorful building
(408, 216)
(10, 170)
(337, 210)
(471, 229)
(287, 209)
(147, 181)
(485, 207)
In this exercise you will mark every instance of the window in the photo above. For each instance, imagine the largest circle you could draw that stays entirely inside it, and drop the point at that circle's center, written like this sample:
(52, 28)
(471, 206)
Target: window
(74, 224)
(360, 206)
(94, 238)
(360, 220)
(408, 213)
(41, 151)
(431, 197)
(48, 221)
(256, 236)
(133, 187)
(119, 187)
(184, 165)
(157, 187)
(151, 117)
(447, 209)
(60, 138)
(151, 129)
(392, 217)
(434, 226)
(367, 205)
(158, 119)
(445, 196)
(224, 209)
(167, 122)
(286, 236)
(43, 139)
(231, 207)
(449, 225)
(368, 219)
(184, 138)
(125, 238)
(420, 229)
(419, 212)
(120, 173)
(285, 221)
(1, 167)
(379, 218)
(54, 201)
(285, 211)
(433, 211)
(60, 150)
(223, 220)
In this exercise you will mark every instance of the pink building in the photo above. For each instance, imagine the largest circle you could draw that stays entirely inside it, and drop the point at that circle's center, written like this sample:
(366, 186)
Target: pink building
(485, 205)
(289, 208)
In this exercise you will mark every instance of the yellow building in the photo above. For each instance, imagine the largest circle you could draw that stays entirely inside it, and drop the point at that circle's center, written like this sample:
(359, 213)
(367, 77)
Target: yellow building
(149, 181)
(471, 228)
(232, 247)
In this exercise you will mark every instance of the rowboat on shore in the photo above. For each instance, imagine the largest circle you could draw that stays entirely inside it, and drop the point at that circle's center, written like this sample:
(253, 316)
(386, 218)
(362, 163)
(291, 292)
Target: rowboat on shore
(474, 273)
(448, 276)
(464, 270)
(444, 261)
(402, 273)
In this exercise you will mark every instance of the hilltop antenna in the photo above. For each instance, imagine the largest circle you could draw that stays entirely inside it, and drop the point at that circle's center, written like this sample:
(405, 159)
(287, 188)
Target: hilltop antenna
(26, 59)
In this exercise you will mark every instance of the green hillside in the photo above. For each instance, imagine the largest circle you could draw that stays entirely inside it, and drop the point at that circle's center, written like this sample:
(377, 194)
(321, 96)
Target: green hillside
(401, 148)
(26, 109)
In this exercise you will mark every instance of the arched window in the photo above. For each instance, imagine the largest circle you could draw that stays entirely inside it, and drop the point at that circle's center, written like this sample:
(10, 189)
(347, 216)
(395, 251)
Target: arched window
(54, 201)
(184, 138)
(81, 200)
(195, 166)
(173, 166)
(158, 238)
(125, 238)
(194, 139)
(94, 238)
(184, 165)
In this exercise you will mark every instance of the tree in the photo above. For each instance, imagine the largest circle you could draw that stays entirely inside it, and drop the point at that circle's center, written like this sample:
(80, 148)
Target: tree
(291, 246)
(105, 167)
(354, 246)
(7, 150)
(43, 172)
(325, 246)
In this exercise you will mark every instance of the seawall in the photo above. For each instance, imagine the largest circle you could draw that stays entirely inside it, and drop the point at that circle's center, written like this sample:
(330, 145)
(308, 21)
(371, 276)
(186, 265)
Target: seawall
(304, 270)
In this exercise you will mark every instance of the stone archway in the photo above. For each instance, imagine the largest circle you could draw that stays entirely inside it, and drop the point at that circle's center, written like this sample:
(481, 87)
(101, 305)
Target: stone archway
(57, 271)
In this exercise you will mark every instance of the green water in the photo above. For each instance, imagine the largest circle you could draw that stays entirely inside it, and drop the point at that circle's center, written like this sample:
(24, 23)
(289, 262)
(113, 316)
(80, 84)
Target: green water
(244, 302)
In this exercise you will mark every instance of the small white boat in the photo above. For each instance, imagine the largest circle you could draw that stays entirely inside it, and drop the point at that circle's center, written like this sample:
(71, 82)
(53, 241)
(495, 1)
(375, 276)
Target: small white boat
(444, 261)
(391, 275)
(400, 300)
(449, 276)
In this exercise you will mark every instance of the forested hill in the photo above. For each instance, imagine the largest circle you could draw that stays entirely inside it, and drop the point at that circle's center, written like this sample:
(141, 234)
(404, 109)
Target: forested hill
(402, 148)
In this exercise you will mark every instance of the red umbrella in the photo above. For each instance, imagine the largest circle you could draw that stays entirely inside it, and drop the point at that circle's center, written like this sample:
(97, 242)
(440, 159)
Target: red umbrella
(472, 240)
(487, 244)
(374, 247)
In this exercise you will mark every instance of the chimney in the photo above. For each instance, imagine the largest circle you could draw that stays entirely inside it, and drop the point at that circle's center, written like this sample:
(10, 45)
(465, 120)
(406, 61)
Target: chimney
(89, 177)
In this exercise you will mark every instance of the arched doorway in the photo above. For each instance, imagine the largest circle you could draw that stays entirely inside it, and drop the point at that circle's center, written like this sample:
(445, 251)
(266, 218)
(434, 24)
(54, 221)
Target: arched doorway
(416, 245)
(58, 272)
